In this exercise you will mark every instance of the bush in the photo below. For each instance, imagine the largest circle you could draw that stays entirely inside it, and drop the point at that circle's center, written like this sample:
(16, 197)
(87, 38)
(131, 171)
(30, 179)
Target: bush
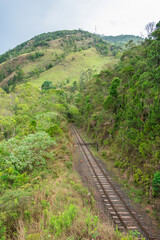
(156, 184)
(49, 66)
(54, 130)
(47, 85)
(2, 231)
(49, 122)
(35, 55)
(61, 222)
(24, 155)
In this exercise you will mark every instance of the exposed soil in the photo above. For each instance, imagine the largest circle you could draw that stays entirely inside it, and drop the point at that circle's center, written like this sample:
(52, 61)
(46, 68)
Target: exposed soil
(13, 63)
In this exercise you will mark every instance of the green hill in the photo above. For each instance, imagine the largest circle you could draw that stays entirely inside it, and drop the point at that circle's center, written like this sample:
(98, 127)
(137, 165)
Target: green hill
(57, 57)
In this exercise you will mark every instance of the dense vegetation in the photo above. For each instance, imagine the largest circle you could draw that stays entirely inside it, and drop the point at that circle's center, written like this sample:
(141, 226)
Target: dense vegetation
(121, 109)
(40, 196)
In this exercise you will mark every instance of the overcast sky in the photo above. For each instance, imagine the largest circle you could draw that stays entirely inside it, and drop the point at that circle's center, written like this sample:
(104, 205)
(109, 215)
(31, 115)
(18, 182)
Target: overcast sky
(21, 20)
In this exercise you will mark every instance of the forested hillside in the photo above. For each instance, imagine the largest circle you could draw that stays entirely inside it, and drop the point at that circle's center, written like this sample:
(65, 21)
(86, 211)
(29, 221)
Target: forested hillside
(120, 108)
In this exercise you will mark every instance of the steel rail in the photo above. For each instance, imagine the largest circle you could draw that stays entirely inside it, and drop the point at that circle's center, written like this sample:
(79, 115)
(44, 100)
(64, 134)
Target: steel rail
(123, 223)
(143, 229)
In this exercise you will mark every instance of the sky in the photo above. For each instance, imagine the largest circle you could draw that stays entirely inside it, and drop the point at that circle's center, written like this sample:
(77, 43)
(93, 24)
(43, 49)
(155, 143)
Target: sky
(21, 20)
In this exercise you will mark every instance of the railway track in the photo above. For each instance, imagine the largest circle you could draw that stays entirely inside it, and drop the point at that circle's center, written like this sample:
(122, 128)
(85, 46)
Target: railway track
(122, 213)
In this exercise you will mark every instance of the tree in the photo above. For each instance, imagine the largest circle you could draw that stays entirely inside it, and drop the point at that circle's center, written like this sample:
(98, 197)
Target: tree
(150, 28)
(19, 76)
(130, 44)
(111, 101)
(156, 33)
(74, 87)
(47, 85)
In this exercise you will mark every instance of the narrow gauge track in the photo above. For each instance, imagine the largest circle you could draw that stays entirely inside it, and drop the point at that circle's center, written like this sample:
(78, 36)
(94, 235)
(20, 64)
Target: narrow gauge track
(123, 216)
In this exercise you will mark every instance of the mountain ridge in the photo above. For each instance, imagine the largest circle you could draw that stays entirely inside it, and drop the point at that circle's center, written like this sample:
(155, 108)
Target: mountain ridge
(56, 34)
(50, 53)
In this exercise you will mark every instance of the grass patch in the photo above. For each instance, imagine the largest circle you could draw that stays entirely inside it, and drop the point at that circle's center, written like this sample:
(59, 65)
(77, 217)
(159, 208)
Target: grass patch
(73, 66)
(58, 209)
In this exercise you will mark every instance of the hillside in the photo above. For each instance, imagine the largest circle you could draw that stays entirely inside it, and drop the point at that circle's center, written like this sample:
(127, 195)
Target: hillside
(57, 57)
(120, 109)
(41, 196)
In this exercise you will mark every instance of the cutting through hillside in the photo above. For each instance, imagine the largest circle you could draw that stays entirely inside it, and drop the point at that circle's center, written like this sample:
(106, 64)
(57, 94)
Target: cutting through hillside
(116, 204)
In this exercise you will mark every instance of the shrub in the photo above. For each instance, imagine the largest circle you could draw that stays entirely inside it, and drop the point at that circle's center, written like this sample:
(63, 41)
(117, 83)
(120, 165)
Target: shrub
(47, 85)
(49, 122)
(35, 55)
(24, 155)
(50, 65)
(61, 222)
(156, 184)
(2, 231)
(54, 130)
